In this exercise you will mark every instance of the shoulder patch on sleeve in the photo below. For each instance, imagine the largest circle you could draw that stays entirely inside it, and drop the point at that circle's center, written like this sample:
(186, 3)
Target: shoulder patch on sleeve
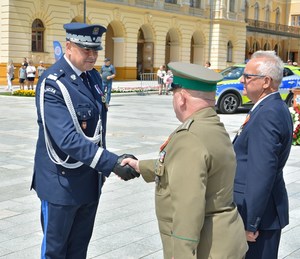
(50, 89)
(186, 125)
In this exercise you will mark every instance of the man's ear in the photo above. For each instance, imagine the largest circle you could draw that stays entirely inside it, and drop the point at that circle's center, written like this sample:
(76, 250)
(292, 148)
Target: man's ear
(267, 82)
(183, 95)
(68, 45)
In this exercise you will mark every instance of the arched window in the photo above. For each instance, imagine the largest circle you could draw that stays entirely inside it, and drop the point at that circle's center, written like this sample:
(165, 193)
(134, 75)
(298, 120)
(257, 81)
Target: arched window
(267, 14)
(276, 49)
(256, 12)
(277, 18)
(229, 51)
(255, 46)
(246, 8)
(37, 36)
(231, 6)
(267, 46)
(195, 3)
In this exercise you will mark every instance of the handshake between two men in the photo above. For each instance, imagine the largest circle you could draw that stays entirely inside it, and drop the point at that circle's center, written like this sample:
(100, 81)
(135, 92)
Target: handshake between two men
(127, 167)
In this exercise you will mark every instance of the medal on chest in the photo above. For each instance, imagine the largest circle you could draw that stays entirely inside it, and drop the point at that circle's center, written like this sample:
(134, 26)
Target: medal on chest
(243, 125)
(160, 161)
(103, 98)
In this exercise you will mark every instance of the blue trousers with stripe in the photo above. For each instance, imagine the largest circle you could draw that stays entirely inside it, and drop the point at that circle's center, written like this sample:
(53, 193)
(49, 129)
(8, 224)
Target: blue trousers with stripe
(67, 230)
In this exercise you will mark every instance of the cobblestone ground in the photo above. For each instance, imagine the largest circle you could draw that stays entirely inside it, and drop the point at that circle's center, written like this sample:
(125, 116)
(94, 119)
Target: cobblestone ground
(126, 225)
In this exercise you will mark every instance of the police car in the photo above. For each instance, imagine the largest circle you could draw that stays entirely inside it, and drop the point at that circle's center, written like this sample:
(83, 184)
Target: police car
(229, 95)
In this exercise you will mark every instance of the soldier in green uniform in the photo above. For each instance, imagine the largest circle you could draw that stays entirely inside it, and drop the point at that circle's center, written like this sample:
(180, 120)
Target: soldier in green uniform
(194, 175)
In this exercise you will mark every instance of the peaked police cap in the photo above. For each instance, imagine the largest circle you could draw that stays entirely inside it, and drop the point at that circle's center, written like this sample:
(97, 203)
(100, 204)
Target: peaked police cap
(85, 35)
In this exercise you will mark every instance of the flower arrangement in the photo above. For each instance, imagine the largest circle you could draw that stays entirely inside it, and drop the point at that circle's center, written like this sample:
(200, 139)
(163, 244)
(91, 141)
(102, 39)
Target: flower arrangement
(295, 112)
(29, 93)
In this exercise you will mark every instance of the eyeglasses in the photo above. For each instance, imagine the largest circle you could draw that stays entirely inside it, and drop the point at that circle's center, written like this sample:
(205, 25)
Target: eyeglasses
(248, 76)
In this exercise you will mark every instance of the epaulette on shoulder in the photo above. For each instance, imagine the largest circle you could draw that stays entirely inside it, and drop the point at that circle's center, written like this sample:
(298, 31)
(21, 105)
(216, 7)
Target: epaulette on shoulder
(55, 76)
(186, 125)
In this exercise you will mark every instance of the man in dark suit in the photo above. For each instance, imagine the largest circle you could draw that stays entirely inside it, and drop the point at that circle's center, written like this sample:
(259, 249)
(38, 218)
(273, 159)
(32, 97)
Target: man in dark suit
(71, 160)
(262, 147)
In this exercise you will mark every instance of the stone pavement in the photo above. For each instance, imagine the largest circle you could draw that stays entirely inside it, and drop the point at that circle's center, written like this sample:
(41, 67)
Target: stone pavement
(126, 225)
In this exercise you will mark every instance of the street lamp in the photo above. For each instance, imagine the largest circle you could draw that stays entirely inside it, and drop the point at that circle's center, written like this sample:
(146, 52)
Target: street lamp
(84, 11)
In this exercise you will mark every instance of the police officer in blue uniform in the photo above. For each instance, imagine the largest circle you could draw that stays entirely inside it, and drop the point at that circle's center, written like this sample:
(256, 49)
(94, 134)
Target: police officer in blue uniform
(71, 160)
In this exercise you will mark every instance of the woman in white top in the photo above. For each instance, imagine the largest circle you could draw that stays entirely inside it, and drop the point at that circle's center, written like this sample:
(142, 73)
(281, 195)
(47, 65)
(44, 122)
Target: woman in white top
(10, 75)
(161, 72)
(30, 72)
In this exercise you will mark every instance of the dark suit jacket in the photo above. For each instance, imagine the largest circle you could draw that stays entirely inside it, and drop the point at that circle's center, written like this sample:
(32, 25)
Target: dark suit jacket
(53, 182)
(262, 149)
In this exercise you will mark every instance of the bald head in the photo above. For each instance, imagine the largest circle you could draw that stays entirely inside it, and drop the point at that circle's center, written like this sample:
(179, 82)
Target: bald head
(186, 102)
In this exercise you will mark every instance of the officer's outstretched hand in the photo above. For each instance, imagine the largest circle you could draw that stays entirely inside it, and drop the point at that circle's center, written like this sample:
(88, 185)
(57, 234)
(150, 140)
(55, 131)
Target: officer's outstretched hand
(126, 172)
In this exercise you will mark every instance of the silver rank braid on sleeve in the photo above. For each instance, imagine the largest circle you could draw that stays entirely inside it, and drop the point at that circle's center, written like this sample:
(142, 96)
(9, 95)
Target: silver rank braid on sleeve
(96, 139)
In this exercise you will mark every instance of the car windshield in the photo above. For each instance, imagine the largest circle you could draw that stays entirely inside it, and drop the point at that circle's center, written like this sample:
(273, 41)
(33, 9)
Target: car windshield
(233, 72)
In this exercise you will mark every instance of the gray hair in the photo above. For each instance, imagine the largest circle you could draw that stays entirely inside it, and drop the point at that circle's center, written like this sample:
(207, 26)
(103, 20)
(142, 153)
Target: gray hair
(270, 65)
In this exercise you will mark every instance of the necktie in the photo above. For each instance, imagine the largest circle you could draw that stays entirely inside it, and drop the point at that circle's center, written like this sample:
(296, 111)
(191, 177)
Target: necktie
(85, 80)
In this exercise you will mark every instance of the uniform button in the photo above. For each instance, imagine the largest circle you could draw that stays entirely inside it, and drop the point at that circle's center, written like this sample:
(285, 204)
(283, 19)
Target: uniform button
(63, 172)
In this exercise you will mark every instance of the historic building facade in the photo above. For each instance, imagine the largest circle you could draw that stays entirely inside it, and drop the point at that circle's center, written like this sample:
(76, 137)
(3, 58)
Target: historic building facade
(144, 34)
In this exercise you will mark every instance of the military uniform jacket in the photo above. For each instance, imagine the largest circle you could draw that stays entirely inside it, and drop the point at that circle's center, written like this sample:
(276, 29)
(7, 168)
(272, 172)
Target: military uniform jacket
(54, 182)
(262, 149)
(194, 191)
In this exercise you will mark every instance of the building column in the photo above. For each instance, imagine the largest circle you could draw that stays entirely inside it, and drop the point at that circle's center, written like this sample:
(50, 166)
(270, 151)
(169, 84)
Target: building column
(118, 51)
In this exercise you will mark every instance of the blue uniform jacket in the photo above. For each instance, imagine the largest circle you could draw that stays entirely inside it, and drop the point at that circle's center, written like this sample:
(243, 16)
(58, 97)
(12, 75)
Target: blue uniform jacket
(262, 149)
(55, 183)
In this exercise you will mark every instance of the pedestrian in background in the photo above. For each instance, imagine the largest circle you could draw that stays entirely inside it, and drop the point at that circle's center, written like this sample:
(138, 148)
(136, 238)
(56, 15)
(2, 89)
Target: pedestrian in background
(22, 76)
(41, 69)
(168, 80)
(194, 174)
(30, 74)
(71, 161)
(161, 72)
(262, 147)
(10, 75)
(108, 73)
(25, 62)
(207, 64)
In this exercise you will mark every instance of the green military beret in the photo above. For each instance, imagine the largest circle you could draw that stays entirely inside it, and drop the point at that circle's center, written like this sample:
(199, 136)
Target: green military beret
(194, 77)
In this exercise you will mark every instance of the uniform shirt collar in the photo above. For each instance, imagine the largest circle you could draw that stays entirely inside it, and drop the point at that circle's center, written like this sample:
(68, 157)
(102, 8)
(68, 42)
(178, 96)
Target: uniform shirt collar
(76, 70)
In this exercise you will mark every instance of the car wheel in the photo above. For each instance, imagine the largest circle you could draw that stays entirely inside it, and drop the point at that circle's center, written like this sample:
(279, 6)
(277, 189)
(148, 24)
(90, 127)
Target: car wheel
(289, 100)
(229, 103)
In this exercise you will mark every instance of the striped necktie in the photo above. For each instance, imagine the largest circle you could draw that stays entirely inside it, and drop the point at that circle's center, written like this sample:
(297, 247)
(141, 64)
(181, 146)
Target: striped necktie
(85, 80)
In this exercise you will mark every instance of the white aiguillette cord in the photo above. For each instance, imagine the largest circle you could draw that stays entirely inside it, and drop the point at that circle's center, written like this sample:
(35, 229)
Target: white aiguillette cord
(51, 152)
